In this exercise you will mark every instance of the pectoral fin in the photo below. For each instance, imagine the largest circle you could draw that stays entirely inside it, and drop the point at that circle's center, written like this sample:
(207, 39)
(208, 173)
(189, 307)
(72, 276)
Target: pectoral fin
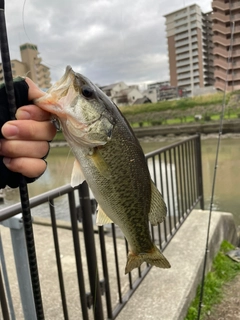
(100, 163)
(77, 175)
(158, 209)
(102, 218)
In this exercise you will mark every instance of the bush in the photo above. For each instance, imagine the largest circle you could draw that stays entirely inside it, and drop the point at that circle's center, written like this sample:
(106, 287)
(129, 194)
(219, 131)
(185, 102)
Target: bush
(156, 122)
(207, 117)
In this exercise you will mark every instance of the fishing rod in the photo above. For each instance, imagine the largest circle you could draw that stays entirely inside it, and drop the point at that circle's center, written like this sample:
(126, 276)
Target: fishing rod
(23, 190)
(215, 175)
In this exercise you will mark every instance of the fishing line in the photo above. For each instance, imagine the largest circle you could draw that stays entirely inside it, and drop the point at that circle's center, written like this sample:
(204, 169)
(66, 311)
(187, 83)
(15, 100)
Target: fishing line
(23, 22)
(200, 305)
(25, 31)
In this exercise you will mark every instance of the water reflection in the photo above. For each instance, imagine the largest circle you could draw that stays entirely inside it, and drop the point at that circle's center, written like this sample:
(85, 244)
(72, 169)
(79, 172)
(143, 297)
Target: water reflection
(227, 190)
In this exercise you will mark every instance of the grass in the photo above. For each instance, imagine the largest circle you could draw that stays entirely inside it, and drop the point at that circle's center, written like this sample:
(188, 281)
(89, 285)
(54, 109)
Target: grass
(223, 270)
(181, 104)
(59, 137)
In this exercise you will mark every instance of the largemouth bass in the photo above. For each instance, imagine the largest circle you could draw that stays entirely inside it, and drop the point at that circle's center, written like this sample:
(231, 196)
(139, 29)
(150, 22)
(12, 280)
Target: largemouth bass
(111, 160)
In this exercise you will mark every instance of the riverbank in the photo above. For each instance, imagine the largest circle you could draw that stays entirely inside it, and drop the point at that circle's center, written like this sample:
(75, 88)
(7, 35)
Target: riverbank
(229, 127)
(229, 307)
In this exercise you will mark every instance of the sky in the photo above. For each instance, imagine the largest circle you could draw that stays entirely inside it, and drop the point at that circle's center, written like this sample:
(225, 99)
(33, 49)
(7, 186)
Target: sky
(106, 40)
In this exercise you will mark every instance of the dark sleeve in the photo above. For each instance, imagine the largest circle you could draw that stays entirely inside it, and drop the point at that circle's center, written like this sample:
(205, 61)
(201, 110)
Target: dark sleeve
(8, 177)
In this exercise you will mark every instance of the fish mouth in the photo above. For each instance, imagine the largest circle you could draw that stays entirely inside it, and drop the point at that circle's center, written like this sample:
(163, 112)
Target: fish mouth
(65, 81)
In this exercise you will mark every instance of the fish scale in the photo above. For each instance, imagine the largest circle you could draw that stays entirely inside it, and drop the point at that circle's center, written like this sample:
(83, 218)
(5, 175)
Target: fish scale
(110, 158)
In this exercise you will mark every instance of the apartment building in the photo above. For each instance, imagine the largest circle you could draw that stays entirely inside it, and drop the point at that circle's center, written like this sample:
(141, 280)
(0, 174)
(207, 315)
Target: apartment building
(30, 66)
(190, 48)
(226, 39)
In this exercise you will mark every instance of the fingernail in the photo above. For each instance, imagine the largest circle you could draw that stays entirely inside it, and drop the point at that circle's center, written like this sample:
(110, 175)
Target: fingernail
(6, 161)
(22, 115)
(10, 131)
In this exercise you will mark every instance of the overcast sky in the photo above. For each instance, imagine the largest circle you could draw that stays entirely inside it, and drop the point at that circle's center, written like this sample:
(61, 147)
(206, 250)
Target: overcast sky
(106, 40)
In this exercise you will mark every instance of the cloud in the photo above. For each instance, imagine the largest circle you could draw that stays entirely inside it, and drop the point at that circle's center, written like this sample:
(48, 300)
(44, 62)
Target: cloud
(107, 40)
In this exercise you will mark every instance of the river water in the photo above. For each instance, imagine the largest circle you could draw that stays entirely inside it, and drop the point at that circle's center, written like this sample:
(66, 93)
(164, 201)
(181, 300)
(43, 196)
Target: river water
(227, 189)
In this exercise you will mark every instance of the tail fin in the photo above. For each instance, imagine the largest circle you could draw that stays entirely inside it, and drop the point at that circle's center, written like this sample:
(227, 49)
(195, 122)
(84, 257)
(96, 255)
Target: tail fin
(154, 257)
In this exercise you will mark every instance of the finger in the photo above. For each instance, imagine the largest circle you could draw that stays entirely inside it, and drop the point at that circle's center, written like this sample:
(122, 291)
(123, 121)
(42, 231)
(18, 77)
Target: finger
(32, 112)
(28, 130)
(19, 148)
(29, 167)
(34, 92)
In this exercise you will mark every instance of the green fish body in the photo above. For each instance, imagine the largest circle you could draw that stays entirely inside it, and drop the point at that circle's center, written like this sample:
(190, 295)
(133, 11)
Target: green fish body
(111, 160)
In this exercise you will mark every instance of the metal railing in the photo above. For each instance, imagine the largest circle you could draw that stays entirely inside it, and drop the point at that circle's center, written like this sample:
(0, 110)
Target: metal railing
(98, 255)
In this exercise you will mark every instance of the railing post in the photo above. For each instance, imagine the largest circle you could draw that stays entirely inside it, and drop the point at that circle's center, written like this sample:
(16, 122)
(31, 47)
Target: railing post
(3, 300)
(6, 281)
(199, 170)
(22, 266)
(90, 250)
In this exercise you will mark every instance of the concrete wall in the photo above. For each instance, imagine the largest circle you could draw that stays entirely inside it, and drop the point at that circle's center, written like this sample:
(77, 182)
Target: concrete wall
(167, 294)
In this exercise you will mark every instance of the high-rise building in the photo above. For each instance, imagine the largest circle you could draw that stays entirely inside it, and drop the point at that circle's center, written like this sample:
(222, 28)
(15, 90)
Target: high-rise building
(30, 66)
(226, 39)
(190, 48)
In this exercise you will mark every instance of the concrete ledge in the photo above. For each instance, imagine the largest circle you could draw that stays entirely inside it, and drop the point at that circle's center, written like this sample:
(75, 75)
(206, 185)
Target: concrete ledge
(167, 294)
(232, 126)
(60, 224)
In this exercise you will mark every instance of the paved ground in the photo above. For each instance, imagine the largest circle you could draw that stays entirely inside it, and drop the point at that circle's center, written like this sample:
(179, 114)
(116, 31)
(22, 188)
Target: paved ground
(163, 295)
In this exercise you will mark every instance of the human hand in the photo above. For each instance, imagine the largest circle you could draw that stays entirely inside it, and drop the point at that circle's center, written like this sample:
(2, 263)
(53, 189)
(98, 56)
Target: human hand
(26, 139)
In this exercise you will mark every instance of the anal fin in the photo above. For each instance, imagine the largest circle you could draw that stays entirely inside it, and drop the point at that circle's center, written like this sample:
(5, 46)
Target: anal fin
(102, 218)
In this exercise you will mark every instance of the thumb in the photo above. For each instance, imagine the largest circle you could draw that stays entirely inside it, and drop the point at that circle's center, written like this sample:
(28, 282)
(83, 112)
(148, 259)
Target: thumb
(34, 92)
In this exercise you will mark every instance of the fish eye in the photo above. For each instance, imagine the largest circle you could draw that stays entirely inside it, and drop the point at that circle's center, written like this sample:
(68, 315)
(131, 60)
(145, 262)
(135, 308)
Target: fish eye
(87, 91)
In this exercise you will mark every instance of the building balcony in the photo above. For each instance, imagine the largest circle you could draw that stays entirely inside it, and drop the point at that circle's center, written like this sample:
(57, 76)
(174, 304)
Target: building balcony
(221, 28)
(37, 60)
(225, 30)
(195, 53)
(221, 85)
(220, 17)
(184, 76)
(221, 63)
(224, 52)
(182, 57)
(235, 5)
(182, 14)
(226, 41)
(181, 70)
(183, 49)
(227, 77)
(181, 29)
(195, 60)
(184, 82)
(194, 32)
(225, 65)
(181, 36)
(222, 40)
(183, 63)
(235, 17)
(181, 43)
(220, 5)
(181, 22)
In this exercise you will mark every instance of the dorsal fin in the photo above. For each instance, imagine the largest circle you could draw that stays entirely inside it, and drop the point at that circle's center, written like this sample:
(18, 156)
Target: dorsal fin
(158, 209)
